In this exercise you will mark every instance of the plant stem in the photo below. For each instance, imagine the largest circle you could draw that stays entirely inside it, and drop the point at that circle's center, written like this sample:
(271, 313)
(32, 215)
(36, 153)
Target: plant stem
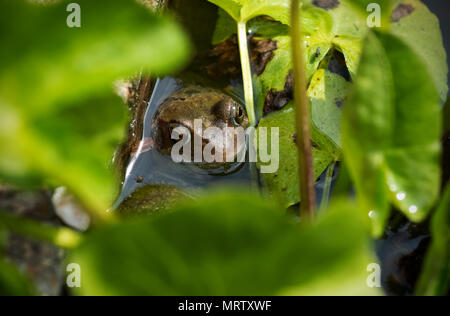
(327, 186)
(246, 72)
(61, 237)
(306, 168)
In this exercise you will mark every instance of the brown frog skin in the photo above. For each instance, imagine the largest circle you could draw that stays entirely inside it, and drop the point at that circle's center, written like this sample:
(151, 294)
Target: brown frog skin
(213, 107)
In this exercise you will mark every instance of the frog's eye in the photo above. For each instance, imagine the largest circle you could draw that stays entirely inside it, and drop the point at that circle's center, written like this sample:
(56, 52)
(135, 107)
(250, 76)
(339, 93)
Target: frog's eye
(237, 114)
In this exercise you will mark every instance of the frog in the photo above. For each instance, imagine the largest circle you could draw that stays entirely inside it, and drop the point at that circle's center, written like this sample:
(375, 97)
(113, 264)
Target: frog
(214, 108)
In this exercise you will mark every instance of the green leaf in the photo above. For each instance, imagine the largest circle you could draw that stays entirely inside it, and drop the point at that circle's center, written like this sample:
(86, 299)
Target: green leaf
(261, 27)
(435, 275)
(349, 27)
(344, 30)
(244, 247)
(327, 93)
(284, 184)
(62, 237)
(225, 27)
(420, 30)
(317, 27)
(59, 119)
(12, 283)
(340, 28)
(152, 199)
(363, 5)
(391, 130)
(410, 20)
(245, 10)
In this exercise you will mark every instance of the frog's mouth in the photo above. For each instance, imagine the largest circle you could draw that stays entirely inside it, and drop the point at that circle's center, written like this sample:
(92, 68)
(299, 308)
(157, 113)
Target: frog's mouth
(207, 146)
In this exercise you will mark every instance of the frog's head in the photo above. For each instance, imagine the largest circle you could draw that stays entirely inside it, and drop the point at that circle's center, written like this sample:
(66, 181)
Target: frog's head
(196, 109)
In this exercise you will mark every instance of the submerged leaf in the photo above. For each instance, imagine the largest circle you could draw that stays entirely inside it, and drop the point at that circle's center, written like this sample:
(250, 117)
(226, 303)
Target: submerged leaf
(391, 131)
(245, 246)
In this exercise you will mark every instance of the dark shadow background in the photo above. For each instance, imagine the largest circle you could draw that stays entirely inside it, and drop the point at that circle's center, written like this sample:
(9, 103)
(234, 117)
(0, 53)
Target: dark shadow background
(442, 9)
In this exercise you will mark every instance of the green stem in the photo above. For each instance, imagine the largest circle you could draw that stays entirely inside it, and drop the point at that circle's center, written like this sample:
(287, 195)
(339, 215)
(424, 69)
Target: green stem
(327, 186)
(246, 72)
(306, 163)
(61, 237)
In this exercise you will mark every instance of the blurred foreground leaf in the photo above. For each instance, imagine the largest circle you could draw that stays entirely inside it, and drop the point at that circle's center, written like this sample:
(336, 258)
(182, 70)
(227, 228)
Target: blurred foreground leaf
(435, 278)
(59, 118)
(227, 243)
(12, 283)
(391, 131)
(261, 27)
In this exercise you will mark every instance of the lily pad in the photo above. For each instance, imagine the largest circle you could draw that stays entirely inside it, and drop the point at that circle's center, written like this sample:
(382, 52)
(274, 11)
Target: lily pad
(327, 92)
(284, 184)
(419, 28)
(391, 131)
